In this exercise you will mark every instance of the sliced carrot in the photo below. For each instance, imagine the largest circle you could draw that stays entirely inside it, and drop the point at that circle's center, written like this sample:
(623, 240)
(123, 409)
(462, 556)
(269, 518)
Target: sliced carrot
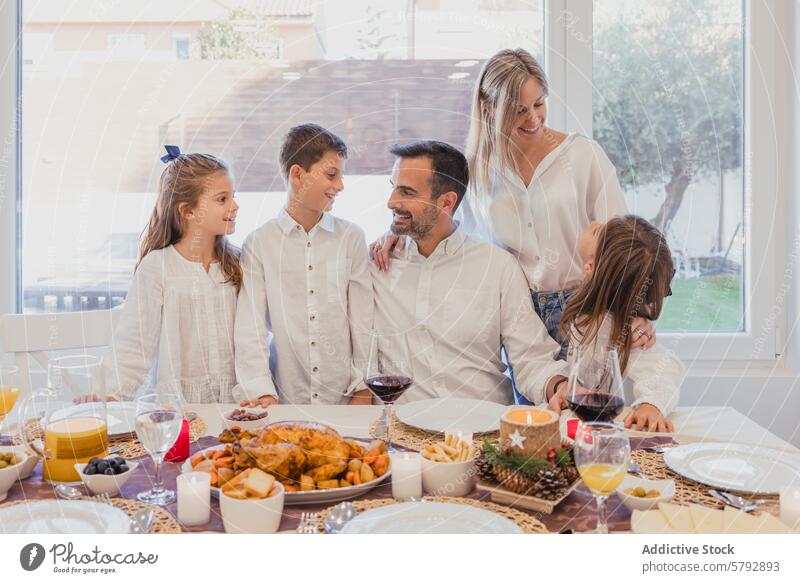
(221, 462)
(214, 477)
(197, 458)
(371, 456)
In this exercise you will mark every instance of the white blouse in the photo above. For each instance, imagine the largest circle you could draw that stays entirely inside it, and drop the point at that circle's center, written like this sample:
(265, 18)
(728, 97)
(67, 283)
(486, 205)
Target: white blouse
(177, 327)
(540, 224)
(654, 375)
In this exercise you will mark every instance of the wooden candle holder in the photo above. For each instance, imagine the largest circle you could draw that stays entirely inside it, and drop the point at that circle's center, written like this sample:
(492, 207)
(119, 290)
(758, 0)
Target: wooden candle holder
(530, 431)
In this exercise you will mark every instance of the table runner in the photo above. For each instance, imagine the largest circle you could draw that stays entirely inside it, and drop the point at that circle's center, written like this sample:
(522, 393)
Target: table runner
(577, 512)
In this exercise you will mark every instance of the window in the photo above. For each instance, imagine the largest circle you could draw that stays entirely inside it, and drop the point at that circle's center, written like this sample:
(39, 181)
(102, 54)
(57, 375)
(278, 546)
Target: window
(665, 87)
(374, 72)
(669, 112)
(182, 46)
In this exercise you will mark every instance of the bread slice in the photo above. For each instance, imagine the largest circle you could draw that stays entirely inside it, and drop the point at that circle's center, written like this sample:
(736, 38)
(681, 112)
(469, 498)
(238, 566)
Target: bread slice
(259, 483)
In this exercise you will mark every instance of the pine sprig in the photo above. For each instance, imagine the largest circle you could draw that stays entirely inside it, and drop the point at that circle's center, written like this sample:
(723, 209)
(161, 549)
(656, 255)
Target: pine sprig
(528, 466)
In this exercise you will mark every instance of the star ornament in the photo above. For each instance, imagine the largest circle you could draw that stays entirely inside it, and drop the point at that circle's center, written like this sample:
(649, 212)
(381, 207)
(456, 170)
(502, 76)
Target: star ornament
(517, 439)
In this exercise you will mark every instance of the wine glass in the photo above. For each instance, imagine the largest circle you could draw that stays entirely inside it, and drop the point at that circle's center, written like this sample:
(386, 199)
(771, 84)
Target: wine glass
(602, 451)
(9, 389)
(159, 417)
(388, 374)
(595, 390)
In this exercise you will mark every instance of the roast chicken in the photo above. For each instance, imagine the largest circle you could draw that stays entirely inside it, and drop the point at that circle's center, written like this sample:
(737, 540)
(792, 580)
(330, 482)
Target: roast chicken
(290, 449)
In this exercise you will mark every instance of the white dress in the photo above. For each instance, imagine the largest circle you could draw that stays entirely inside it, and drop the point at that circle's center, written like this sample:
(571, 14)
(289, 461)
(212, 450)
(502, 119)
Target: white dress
(540, 224)
(175, 332)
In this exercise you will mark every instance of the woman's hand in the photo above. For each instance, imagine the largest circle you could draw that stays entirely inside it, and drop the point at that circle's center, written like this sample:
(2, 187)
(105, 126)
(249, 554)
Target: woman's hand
(380, 250)
(263, 401)
(559, 399)
(644, 333)
(647, 417)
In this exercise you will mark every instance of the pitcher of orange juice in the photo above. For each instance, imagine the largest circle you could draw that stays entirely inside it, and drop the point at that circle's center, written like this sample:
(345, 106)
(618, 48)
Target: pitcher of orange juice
(69, 417)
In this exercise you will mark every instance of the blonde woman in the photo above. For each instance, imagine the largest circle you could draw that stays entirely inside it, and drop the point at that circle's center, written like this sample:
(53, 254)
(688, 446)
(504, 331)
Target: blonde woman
(534, 189)
(177, 321)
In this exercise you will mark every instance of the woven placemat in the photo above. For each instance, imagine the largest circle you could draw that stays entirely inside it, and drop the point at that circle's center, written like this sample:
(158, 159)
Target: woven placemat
(131, 448)
(688, 491)
(413, 438)
(163, 521)
(526, 522)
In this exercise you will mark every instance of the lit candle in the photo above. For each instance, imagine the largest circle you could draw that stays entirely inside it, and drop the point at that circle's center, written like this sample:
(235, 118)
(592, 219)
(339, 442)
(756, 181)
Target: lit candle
(530, 431)
(528, 416)
(790, 507)
(194, 498)
(406, 475)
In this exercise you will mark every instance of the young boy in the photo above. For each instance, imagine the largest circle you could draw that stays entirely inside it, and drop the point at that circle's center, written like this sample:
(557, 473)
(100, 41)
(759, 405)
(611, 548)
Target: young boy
(306, 301)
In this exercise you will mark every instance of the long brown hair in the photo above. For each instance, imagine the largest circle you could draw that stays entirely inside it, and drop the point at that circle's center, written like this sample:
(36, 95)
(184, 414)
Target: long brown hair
(181, 184)
(631, 277)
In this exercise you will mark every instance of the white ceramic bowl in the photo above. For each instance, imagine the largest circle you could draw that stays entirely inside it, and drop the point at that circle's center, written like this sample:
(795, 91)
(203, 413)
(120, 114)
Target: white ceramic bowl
(666, 487)
(102, 484)
(246, 425)
(20, 471)
(252, 515)
(448, 478)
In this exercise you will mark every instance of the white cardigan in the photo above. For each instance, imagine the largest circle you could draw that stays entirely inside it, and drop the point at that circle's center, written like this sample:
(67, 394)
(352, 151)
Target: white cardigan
(175, 331)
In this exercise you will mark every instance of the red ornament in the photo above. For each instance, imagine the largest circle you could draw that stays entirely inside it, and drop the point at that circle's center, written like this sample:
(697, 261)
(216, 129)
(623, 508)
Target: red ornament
(180, 451)
(551, 455)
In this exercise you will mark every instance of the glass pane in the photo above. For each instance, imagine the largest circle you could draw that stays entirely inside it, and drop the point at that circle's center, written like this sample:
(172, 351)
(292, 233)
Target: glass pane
(106, 84)
(668, 110)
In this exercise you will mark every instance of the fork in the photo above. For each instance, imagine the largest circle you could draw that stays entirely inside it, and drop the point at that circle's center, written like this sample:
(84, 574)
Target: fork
(307, 523)
(735, 501)
(633, 468)
(102, 498)
(654, 449)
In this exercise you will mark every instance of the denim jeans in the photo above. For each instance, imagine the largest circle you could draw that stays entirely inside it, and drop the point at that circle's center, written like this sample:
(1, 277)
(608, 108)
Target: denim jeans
(549, 307)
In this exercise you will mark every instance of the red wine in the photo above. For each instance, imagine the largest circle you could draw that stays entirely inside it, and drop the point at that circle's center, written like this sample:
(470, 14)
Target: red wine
(388, 388)
(596, 406)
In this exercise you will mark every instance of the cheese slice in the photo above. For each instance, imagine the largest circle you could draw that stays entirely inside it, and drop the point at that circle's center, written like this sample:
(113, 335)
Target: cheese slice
(738, 522)
(679, 518)
(649, 522)
(706, 520)
(768, 524)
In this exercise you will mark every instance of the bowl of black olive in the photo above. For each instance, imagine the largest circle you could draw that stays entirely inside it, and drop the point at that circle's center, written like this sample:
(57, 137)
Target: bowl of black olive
(106, 475)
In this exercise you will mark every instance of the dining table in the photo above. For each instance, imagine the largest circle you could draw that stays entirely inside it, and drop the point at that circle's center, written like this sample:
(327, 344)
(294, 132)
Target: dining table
(576, 513)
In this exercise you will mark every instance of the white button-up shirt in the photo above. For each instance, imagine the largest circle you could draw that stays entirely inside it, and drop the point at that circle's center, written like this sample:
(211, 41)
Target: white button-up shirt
(540, 223)
(459, 307)
(304, 311)
(175, 331)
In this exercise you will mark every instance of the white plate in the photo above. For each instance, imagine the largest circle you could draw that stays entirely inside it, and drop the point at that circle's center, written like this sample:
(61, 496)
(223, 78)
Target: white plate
(314, 496)
(63, 517)
(729, 466)
(441, 415)
(121, 416)
(430, 518)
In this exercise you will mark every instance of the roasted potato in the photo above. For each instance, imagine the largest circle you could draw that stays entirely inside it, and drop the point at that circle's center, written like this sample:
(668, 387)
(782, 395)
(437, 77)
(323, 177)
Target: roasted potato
(327, 484)
(306, 483)
(354, 465)
(366, 473)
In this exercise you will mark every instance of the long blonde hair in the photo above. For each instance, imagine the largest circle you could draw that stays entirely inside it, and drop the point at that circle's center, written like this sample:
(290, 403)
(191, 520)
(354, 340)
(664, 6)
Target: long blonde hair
(495, 102)
(181, 183)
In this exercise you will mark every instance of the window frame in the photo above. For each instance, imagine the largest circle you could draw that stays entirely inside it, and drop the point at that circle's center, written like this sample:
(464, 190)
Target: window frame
(568, 60)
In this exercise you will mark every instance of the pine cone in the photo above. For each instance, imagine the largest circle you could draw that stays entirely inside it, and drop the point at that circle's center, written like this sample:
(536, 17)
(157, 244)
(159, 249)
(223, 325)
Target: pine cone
(550, 484)
(513, 480)
(483, 467)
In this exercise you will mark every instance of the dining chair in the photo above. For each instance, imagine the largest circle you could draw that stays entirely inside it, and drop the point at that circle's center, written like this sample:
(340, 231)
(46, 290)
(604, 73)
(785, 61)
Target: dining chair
(35, 336)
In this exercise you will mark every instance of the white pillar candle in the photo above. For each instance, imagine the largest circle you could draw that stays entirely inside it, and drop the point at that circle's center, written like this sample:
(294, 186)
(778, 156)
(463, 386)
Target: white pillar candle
(194, 498)
(790, 507)
(406, 475)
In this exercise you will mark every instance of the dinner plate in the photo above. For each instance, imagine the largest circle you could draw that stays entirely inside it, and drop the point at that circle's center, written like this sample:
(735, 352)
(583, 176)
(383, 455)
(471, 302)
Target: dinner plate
(313, 496)
(729, 466)
(63, 517)
(441, 415)
(120, 415)
(430, 518)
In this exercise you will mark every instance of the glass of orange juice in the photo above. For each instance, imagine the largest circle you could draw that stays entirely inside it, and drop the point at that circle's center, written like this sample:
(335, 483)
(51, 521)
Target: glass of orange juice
(66, 423)
(9, 389)
(602, 452)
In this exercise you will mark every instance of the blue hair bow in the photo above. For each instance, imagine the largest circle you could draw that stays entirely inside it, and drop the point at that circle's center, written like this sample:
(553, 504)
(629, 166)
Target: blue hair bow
(172, 153)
